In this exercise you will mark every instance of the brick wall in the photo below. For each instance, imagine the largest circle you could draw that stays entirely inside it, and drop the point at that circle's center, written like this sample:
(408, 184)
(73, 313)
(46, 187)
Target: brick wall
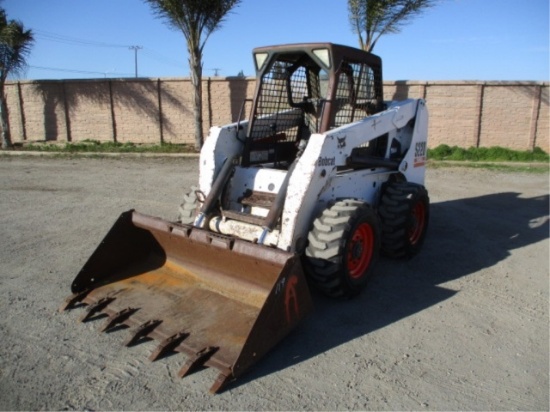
(462, 113)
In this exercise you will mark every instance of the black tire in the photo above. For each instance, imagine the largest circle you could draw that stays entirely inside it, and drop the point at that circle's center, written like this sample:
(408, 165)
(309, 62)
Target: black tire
(404, 212)
(344, 245)
(188, 208)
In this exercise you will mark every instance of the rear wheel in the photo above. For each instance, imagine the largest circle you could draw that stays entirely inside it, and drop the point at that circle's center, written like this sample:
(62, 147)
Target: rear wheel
(343, 248)
(404, 213)
(188, 207)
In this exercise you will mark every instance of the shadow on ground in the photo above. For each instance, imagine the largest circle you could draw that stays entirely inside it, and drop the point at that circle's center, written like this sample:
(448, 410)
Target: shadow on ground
(465, 236)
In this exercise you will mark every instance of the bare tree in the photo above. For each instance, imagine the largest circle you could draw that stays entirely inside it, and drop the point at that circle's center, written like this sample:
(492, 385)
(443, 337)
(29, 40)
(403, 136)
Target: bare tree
(15, 45)
(370, 19)
(196, 19)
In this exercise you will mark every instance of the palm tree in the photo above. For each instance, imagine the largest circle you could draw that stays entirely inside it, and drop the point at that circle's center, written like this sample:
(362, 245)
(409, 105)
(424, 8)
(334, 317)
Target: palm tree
(15, 45)
(196, 19)
(378, 17)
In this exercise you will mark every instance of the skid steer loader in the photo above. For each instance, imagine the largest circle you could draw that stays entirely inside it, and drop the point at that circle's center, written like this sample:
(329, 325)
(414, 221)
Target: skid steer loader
(322, 178)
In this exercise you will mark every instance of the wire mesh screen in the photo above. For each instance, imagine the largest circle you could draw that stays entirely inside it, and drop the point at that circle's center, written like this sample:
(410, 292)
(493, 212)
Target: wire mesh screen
(355, 93)
(274, 116)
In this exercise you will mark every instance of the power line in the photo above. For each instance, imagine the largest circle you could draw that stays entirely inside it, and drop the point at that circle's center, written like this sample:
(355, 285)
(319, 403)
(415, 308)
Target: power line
(163, 59)
(74, 70)
(75, 41)
(61, 38)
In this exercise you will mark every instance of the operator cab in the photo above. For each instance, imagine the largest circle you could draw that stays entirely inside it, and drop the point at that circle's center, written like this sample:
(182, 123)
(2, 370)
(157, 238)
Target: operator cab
(304, 89)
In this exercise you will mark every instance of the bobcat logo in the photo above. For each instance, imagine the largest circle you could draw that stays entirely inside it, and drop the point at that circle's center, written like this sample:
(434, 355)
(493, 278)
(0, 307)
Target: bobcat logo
(326, 161)
(341, 142)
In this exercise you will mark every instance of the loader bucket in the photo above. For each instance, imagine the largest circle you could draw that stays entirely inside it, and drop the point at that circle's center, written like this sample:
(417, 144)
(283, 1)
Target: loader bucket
(224, 302)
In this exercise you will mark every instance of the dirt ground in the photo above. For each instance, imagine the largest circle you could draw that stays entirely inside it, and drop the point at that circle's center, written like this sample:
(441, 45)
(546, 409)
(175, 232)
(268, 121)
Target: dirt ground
(464, 325)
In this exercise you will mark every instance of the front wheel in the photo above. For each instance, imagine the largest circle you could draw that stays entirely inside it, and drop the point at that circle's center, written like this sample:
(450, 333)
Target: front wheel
(343, 248)
(404, 211)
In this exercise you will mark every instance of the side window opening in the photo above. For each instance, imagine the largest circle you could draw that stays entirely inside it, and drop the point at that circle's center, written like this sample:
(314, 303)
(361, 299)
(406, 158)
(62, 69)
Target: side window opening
(356, 96)
(287, 110)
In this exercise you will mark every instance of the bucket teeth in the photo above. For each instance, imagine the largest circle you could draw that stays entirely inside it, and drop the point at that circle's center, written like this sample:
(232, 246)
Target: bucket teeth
(96, 307)
(167, 345)
(220, 382)
(74, 298)
(197, 360)
(141, 331)
(117, 318)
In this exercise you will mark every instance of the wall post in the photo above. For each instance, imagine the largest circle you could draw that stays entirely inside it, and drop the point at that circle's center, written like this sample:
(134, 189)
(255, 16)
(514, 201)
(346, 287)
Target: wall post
(161, 119)
(209, 98)
(112, 107)
(479, 111)
(23, 123)
(535, 117)
(66, 110)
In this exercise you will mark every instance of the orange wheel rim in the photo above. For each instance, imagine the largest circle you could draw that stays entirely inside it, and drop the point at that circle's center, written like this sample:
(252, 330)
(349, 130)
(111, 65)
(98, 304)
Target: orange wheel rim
(419, 221)
(360, 250)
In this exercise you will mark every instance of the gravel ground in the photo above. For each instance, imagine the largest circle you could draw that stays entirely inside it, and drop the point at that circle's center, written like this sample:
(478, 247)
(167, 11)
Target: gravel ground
(464, 325)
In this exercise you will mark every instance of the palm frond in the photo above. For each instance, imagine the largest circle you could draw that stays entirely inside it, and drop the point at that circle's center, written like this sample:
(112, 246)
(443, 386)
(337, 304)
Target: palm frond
(15, 45)
(378, 17)
(197, 19)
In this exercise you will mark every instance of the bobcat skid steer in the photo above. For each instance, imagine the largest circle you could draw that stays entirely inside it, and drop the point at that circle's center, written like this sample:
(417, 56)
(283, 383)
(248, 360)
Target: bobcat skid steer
(322, 178)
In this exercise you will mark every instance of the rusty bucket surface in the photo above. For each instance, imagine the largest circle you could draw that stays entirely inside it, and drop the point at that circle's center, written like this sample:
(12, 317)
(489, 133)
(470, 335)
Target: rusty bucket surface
(222, 301)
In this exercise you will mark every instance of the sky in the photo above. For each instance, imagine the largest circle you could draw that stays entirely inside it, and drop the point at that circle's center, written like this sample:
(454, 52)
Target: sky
(455, 40)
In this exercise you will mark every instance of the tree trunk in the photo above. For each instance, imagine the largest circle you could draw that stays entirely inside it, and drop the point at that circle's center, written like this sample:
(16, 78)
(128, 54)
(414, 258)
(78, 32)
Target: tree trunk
(6, 138)
(195, 64)
(369, 44)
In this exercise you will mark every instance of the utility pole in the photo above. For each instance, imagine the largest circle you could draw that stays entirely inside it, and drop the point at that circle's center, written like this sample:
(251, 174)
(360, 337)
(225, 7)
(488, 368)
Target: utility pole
(135, 49)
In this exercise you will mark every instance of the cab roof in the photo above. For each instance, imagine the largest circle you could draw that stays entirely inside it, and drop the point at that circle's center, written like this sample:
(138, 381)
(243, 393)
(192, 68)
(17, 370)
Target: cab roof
(336, 54)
